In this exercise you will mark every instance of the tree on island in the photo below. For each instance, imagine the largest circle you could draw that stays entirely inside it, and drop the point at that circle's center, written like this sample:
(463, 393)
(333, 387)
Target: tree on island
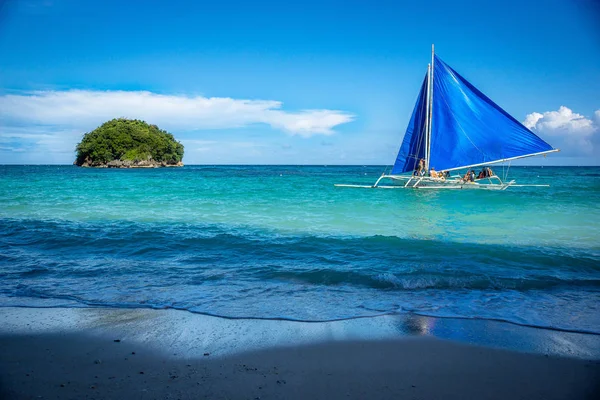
(126, 143)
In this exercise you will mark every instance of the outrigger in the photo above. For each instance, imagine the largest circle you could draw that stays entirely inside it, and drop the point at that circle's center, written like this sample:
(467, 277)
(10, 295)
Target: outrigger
(456, 127)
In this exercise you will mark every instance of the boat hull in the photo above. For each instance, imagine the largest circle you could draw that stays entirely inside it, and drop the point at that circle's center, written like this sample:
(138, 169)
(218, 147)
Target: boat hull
(414, 182)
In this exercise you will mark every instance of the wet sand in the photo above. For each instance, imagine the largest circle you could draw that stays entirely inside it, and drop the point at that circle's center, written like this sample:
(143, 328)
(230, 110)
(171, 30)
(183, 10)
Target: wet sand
(116, 356)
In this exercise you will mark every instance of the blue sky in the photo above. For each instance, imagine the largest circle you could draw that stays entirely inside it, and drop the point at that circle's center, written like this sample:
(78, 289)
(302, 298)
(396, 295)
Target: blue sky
(310, 82)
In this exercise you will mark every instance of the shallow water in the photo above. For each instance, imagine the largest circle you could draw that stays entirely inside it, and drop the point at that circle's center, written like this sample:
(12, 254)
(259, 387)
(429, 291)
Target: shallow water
(283, 242)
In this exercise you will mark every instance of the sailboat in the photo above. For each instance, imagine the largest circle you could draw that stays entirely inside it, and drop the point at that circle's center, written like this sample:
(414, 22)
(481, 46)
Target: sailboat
(455, 127)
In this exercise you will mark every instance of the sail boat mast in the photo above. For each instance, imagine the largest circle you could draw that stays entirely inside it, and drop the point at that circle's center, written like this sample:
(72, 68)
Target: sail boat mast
(430, 111)
(426, 155)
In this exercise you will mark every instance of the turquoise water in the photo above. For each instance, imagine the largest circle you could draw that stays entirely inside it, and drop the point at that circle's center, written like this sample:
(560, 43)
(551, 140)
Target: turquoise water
(283, 242)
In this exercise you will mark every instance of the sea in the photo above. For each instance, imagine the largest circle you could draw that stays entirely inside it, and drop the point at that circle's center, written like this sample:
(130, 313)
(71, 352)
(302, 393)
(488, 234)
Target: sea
(282, 242)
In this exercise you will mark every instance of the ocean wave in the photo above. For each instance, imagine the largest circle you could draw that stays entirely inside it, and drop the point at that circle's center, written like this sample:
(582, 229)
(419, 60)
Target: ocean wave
(238, 271)
(197, 245)
(419, 280)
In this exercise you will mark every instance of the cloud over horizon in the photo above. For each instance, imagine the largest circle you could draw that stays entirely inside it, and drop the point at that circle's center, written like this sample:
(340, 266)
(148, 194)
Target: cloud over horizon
(567, 130)
(86, 109)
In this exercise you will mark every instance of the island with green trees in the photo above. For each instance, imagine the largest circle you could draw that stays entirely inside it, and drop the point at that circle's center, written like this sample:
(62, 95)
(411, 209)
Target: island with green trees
(128, 143)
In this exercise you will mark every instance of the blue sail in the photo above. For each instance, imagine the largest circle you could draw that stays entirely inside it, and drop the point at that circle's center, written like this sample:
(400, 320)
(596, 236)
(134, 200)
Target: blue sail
(468, 128)
(413, 144)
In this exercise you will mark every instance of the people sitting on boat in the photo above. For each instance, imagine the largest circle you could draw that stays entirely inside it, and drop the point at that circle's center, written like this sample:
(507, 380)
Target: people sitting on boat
(486, 172)
(469, 176)
(433, 173)
(442, 174)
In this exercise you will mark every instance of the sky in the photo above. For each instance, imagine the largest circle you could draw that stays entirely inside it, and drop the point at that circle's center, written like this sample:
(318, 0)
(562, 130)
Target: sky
(289, 82)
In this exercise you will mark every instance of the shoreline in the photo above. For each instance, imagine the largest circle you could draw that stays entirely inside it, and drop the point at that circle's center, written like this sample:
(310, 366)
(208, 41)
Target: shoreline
(123, 165)
(142, 325)
(145, 353)
(406, 315)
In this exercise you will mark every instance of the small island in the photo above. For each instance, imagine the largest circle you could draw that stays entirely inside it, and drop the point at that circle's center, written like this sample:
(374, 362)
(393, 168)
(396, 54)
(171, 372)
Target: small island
(127, 143)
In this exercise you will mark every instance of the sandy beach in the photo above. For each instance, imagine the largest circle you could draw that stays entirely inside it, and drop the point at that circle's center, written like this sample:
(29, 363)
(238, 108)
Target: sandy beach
(167, 354)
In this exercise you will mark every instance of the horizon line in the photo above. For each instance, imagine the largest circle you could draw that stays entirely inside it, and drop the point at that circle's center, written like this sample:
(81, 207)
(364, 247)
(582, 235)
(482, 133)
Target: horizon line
(278, 165)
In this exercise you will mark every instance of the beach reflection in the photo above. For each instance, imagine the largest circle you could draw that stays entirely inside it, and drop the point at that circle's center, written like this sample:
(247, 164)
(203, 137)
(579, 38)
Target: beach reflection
(502, 335)
(417, 325)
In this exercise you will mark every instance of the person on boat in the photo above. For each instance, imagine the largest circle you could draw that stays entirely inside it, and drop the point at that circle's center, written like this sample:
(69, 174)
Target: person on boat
(420, 168)
(469, 176)
(486, 172)
(432, 173)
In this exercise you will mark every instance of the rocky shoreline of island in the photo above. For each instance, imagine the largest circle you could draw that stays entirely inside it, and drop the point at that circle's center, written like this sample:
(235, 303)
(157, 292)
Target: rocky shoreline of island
(129, 164)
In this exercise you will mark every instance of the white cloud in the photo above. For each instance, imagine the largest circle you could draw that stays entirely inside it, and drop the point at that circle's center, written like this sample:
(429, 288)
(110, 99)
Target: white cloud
(532, 119)
(565, 129)
(563, 120)
(85, 109)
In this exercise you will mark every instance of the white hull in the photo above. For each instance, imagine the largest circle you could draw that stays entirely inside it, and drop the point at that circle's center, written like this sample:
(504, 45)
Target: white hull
(465, 186)
(425, 182)
(417, 182)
